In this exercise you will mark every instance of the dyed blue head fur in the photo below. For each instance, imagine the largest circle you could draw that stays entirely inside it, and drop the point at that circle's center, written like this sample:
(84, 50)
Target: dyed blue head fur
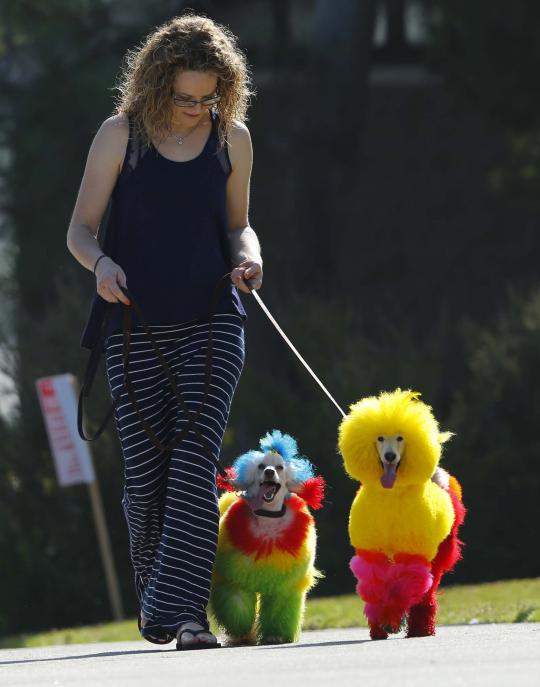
(280, 443)
(301, 469)
(241, 466)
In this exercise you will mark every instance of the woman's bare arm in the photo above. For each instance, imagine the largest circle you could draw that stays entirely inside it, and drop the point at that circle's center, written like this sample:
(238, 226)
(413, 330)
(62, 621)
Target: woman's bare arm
(102, 168)
(243, 241)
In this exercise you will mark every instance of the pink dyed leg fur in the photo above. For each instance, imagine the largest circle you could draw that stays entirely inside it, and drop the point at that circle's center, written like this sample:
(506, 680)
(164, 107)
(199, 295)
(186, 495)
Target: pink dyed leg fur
(389, 590)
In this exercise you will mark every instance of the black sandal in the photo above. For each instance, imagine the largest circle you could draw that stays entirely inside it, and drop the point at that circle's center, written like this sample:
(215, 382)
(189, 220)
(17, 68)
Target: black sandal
(195, 645)
(152, 638)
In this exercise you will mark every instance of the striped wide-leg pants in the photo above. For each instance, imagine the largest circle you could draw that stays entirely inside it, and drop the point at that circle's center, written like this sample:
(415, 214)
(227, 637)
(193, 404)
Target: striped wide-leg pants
(170, 499)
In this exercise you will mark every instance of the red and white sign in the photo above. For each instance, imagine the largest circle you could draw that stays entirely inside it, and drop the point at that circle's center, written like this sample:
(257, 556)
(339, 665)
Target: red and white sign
(59, 407)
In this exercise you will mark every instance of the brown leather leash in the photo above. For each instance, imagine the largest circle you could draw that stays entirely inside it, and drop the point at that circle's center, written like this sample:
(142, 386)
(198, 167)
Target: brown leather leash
(192, 417)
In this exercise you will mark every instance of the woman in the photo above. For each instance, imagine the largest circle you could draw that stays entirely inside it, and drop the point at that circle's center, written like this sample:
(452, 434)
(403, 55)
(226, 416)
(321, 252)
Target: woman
(181, 222)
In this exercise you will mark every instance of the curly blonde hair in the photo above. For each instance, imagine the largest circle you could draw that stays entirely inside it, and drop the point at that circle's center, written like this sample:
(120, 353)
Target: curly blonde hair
(188, 42)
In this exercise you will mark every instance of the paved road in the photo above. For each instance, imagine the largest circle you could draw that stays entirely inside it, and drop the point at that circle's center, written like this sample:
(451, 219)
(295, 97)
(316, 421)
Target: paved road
(490, 655)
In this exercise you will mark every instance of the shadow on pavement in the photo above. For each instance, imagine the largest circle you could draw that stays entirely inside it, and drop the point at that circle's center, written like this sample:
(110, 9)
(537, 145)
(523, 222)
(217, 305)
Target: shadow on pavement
(156, 651)
(70, 658)
(303, 646)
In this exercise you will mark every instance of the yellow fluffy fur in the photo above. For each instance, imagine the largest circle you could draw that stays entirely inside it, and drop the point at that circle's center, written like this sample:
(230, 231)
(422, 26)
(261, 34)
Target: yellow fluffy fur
(412, 520)
(226, 500)
(415, 515)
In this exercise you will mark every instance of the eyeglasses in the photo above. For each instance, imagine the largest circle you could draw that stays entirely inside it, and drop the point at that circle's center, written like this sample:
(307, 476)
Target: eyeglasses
(179, 101)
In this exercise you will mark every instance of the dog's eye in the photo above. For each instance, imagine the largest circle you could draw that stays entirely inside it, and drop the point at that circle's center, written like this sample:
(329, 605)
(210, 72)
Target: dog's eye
(279, 467)
(381, 439)
(261, 466)
(399, 438)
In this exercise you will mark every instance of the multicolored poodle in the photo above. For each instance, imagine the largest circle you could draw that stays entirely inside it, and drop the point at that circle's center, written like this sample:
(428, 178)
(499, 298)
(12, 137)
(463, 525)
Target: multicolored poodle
(404, 520)
(266, 550)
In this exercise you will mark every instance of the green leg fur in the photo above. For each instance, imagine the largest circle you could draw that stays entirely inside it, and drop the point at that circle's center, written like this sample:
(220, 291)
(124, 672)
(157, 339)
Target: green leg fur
(234, 610)
(280, 617)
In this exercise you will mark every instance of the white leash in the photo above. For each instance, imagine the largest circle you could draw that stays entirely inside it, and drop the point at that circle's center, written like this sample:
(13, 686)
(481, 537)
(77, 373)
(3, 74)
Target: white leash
(293, 349)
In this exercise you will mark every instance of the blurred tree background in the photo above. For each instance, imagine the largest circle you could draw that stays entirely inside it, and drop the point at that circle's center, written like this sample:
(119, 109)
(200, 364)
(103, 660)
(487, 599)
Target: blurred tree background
(395, 192)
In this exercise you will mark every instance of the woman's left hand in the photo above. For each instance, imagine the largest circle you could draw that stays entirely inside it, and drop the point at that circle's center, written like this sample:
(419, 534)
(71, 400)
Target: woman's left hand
(247, 271)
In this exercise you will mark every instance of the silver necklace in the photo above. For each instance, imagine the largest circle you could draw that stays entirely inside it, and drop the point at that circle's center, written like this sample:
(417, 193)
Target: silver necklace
(180, 139)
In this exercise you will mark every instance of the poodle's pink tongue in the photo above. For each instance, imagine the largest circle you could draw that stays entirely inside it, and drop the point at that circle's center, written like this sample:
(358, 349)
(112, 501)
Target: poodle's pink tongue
(389, 476)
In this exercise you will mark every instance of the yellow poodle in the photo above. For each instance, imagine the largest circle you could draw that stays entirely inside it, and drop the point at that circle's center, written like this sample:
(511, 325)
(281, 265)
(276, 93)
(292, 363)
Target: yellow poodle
(404, 520)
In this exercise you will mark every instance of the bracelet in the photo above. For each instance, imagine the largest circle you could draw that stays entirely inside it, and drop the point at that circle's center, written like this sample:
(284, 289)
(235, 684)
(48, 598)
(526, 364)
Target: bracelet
(101, 256)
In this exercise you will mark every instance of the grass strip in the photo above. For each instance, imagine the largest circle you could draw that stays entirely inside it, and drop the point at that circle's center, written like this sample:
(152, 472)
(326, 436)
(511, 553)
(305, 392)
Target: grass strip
(511, 601)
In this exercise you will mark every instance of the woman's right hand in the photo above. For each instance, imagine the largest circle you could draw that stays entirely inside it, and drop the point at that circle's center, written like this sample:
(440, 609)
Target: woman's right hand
(109, 278)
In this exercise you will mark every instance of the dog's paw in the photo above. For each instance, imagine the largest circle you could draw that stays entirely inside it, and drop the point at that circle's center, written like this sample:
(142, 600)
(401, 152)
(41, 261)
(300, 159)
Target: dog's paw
(275, 639)
(246, 640)
(377, 632)
(394, 628)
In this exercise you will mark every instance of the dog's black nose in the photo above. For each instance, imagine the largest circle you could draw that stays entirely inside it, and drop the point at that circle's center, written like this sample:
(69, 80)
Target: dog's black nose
(269, 472)
(389, 456)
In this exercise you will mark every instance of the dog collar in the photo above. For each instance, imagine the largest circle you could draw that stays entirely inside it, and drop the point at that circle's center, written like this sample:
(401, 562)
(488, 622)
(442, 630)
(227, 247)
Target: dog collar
(271, 513)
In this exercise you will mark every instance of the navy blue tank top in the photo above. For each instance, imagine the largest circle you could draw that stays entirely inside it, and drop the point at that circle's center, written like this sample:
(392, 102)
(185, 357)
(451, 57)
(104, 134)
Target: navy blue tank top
(170, 235)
